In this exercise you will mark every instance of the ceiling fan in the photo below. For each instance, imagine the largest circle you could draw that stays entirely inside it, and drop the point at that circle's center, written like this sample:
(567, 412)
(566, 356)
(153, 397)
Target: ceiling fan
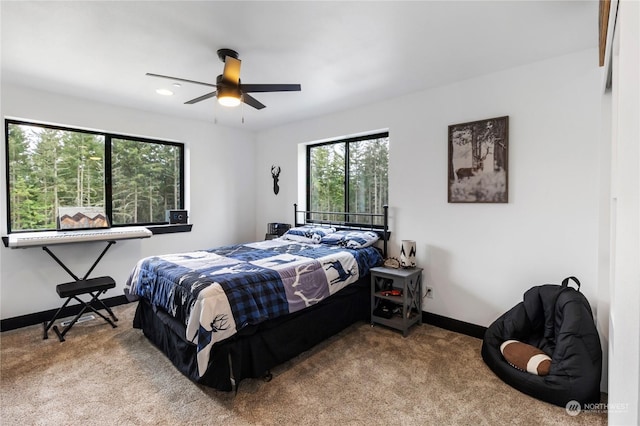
(229, 90)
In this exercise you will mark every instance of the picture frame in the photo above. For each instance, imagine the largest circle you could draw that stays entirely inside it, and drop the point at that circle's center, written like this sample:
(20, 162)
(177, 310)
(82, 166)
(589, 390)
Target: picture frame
(75, 218)
(478, 161)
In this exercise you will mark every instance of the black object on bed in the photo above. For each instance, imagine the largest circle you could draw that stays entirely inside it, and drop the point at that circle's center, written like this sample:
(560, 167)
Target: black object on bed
(557, 320)
(235, 312)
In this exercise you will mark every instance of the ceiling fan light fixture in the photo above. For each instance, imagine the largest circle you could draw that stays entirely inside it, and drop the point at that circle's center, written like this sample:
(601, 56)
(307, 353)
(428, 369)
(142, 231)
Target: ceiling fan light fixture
(229, 96)
(229, 100)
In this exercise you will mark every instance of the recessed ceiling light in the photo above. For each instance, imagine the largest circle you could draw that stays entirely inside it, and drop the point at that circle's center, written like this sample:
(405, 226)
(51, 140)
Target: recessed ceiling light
(164, 92)
(177, 85)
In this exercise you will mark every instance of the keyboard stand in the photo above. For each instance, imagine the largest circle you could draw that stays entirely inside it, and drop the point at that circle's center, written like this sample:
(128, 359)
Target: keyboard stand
(92, 286)
(59, 262)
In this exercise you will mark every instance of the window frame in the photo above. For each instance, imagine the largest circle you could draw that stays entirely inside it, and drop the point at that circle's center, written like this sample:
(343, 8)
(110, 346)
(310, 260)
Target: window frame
(347, 141)
(108, 137)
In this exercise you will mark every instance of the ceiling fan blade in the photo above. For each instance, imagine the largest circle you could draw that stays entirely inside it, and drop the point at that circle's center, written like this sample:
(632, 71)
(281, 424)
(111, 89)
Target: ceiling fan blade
(251, 101)
(181, 79)
(231, 73)
(254, 88)
(202, 98)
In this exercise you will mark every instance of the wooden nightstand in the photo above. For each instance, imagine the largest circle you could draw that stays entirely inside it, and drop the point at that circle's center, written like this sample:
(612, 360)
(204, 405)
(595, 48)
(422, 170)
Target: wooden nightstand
(396, 297)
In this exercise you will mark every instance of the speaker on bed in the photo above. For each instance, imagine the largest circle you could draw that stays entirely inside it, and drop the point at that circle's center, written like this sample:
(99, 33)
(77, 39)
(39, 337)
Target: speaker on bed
(177, 216)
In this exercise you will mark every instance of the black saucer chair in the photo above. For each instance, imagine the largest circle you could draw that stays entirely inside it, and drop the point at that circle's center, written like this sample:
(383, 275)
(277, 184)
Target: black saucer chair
(556, 319)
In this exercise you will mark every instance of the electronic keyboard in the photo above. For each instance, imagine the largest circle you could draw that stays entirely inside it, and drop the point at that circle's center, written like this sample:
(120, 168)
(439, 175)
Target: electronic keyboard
(46, 238)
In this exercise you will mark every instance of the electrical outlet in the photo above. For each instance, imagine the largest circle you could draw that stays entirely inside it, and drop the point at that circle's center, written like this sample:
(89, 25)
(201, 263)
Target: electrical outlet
(429, 293)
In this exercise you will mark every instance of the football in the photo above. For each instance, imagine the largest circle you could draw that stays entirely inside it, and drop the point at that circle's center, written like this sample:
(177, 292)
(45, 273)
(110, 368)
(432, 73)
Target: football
(526, 357)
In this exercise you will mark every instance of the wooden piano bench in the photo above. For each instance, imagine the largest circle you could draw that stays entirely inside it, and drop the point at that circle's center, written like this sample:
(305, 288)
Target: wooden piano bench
(95, 287)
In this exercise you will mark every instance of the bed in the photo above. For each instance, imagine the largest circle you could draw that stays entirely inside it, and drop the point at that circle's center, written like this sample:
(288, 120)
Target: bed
(234, 312)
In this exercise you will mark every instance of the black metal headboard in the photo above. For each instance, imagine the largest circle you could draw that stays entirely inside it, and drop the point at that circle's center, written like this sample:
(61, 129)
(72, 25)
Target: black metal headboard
(347, 222)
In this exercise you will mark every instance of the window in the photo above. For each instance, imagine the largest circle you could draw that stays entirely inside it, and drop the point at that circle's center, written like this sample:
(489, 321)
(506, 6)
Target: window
(134, 180)
(348, 176)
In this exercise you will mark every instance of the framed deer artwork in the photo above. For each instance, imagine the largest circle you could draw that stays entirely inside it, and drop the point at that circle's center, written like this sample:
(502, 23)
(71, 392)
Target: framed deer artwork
(478, 161)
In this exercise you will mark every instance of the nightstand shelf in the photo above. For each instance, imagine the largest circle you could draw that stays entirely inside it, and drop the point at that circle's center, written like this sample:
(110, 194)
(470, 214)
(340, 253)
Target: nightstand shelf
(396, 311)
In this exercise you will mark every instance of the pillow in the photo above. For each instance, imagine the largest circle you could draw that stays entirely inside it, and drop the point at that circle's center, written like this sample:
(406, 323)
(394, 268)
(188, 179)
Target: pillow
(334, 239)
(526, 357)
(351, 239)
(307, 234)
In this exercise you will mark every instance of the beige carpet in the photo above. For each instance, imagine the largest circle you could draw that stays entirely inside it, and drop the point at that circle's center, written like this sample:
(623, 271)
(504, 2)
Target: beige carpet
(363, 376)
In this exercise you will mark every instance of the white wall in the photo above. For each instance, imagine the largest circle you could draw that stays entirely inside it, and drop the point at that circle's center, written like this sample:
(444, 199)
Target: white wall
(624, 324)
(220, 196)
(479, 258)
(604, 235)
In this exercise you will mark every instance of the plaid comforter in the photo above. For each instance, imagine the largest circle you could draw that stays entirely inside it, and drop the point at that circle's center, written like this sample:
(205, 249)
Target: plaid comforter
(217, 292)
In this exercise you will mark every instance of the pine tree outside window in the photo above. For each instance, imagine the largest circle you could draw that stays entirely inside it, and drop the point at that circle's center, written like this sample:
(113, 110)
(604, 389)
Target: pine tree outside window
(135, 180)
(348, 176)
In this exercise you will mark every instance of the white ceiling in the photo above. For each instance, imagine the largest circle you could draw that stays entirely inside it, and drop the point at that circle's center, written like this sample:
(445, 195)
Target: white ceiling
(344, 54)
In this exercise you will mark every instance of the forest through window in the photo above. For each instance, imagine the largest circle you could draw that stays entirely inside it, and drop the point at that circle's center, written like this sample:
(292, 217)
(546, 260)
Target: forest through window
(134, 180)
(348, 176)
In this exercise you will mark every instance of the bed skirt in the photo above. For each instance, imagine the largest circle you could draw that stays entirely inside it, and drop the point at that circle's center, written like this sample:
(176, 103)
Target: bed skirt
(255, 350)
